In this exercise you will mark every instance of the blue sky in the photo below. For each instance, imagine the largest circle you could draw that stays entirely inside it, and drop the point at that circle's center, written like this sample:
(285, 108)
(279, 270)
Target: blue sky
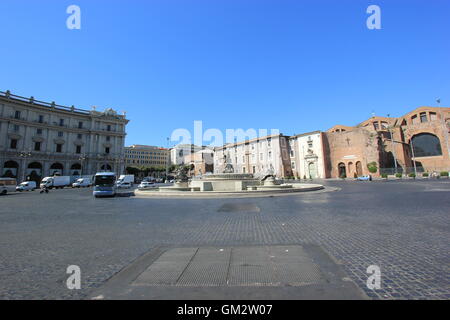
(296, 66)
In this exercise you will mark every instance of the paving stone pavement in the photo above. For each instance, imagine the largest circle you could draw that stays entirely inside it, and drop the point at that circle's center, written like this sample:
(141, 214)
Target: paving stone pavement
(401, 226)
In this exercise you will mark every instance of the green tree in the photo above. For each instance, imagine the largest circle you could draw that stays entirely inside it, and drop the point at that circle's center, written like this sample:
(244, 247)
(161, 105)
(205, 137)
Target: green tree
(372, 166)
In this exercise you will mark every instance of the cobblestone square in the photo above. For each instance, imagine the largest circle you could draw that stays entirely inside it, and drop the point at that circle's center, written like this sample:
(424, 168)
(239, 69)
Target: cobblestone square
(400, 226)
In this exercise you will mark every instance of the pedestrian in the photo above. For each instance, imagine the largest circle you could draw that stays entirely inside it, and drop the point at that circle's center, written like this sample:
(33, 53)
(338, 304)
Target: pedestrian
(44, 189)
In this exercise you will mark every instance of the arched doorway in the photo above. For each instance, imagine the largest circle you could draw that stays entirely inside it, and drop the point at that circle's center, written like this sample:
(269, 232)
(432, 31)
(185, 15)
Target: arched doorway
(312, 169)
(56, 169)
(426, 145)
(10, 169)
(342, 171)
(34, 172)
(75, 169)
(359, 172)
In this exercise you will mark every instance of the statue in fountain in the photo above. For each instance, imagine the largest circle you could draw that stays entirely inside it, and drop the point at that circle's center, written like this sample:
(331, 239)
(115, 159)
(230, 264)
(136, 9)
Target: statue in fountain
(269, 176)
(181, 175)
(227, 164)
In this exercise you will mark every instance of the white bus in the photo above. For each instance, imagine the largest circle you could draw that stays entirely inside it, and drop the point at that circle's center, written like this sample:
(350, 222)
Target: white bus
(104, 184)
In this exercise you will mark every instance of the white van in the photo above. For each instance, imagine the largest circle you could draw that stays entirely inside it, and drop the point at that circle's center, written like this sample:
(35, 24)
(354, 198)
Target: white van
(7, 185)
(82, 183)
(26, 186)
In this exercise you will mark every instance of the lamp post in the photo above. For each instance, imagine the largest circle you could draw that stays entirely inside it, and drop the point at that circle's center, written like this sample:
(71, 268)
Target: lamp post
(82, 158)
(167, 161)
(392, 143)
(413, 157)
(24, 155)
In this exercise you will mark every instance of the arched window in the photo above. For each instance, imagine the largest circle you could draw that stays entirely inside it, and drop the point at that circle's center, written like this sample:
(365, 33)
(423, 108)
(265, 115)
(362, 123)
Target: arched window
(57, 165)
(35, 165)
(10, 169)
(75, 166)
(426, 145)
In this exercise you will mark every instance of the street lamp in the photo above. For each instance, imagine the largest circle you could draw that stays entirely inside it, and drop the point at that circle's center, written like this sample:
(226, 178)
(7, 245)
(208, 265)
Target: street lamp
(393, 146)
(413, 157)
(82, 159)
(167, 160)
(24, 155)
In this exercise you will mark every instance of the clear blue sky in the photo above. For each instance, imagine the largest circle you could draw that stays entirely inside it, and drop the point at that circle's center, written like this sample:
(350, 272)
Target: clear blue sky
(297, 66)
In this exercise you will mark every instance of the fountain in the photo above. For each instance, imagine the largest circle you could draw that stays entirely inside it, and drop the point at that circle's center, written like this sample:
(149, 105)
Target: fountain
(230, 182)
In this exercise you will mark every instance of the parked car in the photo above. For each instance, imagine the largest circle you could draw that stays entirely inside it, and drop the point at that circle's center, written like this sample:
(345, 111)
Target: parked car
(146, 185)
(26, 186)
(364, 178)
(124, 185)
(82, 183)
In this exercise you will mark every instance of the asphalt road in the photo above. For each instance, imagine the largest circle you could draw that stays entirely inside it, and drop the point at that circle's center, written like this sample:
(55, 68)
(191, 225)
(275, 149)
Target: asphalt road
(401, 226)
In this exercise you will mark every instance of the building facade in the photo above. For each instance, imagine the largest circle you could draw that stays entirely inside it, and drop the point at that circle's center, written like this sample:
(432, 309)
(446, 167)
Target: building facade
(147, 156)
(39, 139)
(202, 161)
(307, 159)
(416, 142)
(179, 152)
(258, 156)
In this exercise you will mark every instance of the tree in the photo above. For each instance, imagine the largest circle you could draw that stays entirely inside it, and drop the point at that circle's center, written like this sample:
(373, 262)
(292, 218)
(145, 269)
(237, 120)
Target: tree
(372, 166)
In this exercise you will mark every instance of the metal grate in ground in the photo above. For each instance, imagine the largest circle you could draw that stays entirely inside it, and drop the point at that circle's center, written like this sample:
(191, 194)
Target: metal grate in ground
(232, 266)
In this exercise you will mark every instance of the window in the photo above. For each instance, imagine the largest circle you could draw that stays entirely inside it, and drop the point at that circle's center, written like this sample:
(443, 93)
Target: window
(107, 150)
(270, 154)
(433, 116)
(37, 146)
(426, 145)
(80, 125)
(423, 117)
(78, 149)
(79, 136)
(108, 127)
(41, 119)
(414, 119)
(376, 126)
(293, 165)
(13, 144)
(59, 147)
(16, 127)
(39, 131)
(108, 138)
(60, 134)
(17, 114)
(61, 122)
